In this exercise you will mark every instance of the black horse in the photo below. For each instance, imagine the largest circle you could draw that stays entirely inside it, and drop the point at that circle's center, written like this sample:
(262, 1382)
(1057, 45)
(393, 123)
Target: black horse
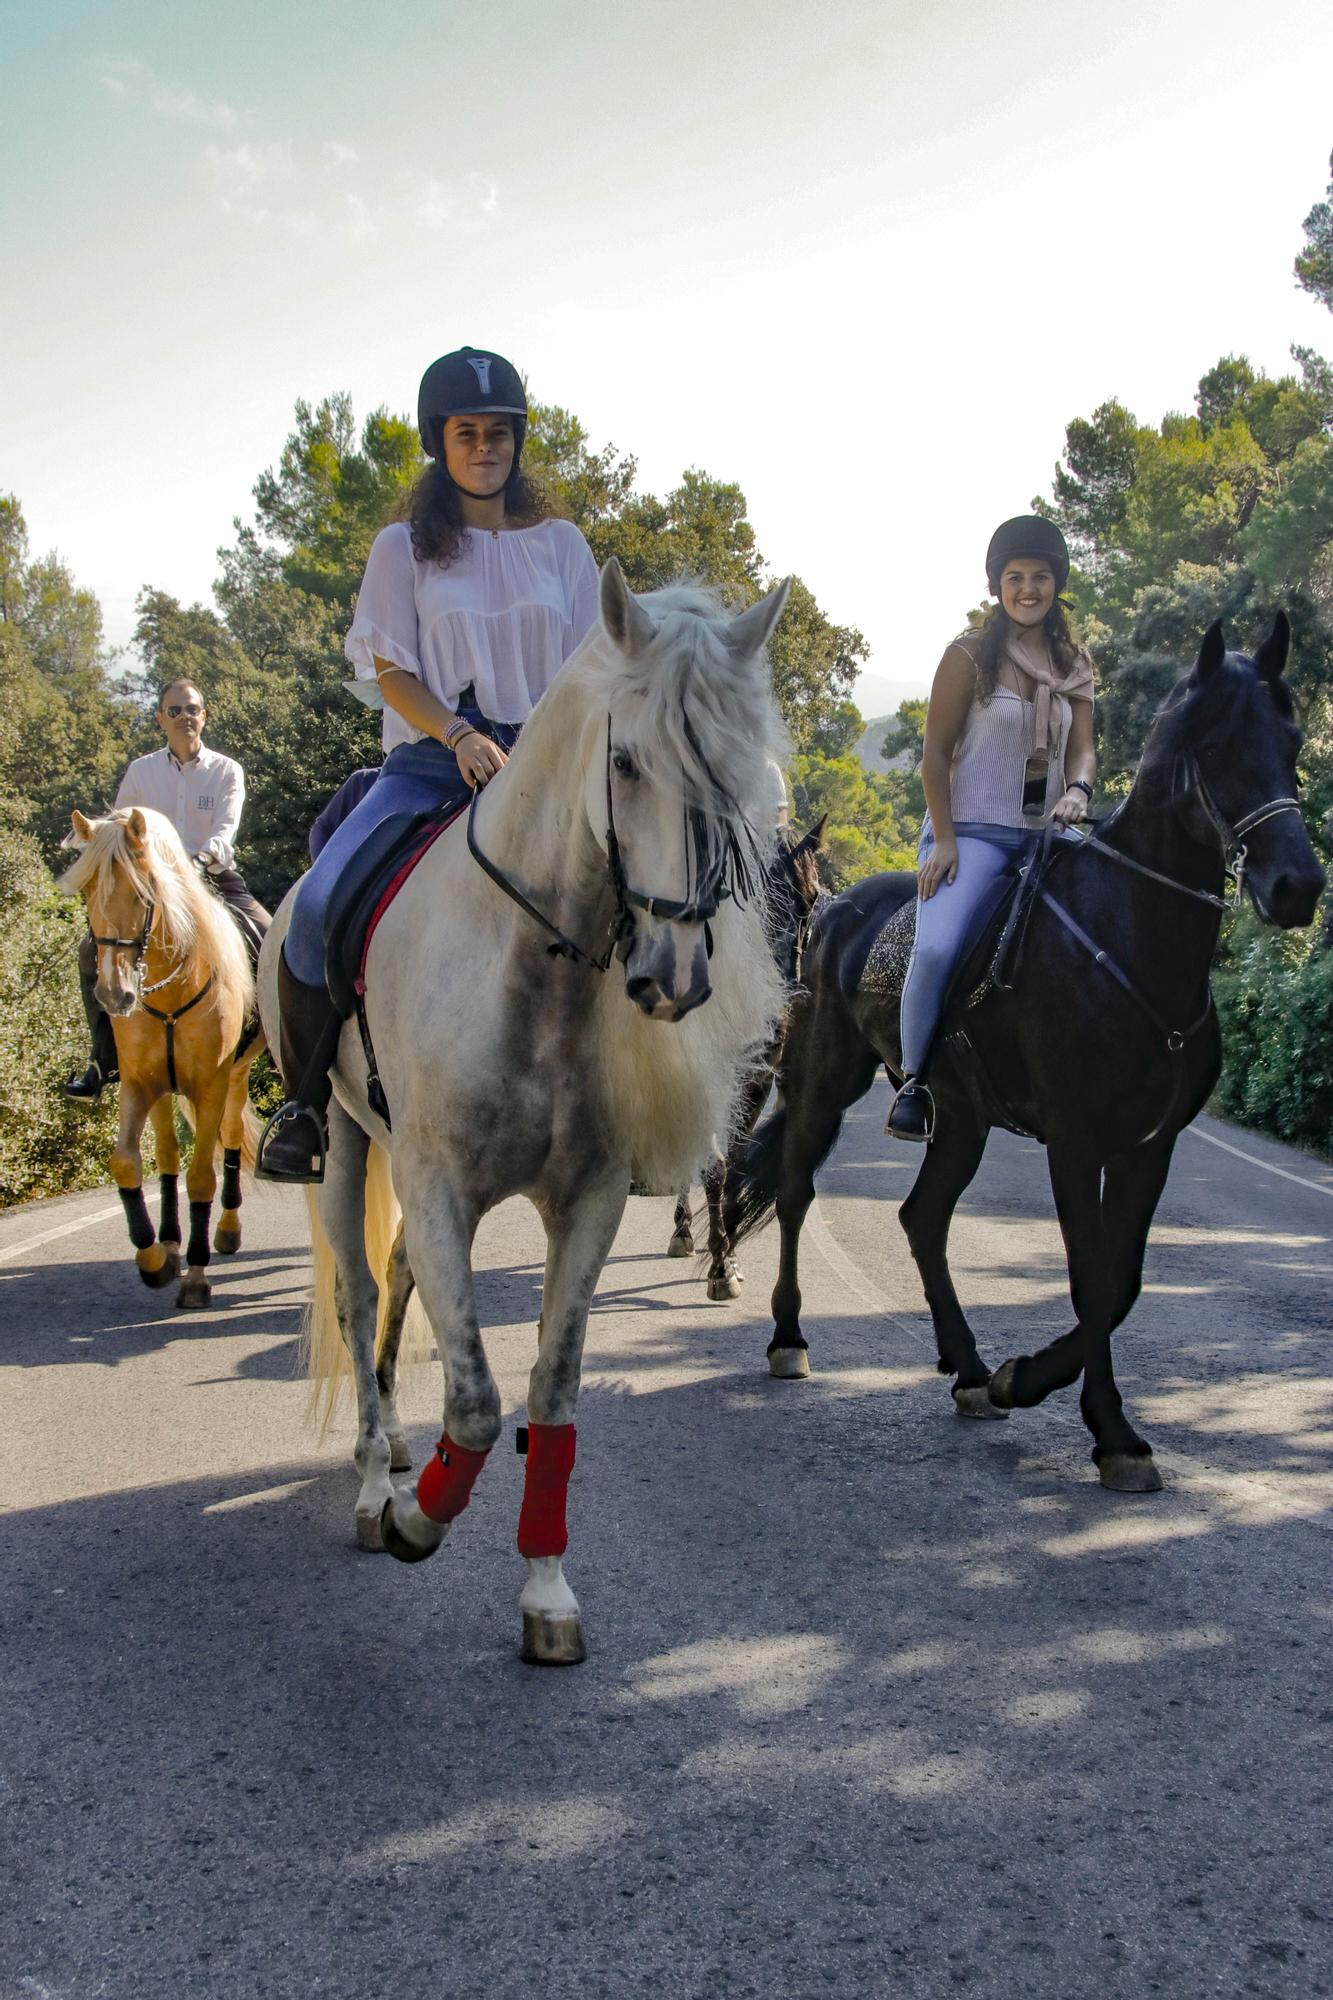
(1105, 1046)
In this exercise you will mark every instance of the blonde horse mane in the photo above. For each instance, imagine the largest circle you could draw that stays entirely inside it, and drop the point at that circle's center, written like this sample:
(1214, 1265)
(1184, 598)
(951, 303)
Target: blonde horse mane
(194, 921)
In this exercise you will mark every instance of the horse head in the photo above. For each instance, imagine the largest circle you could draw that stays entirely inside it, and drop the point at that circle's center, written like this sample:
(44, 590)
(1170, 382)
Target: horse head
(676, 798)
(1239, 730)
(113, 872)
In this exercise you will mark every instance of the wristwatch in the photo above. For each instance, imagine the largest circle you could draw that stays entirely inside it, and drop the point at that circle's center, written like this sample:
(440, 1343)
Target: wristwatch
(1079, 784)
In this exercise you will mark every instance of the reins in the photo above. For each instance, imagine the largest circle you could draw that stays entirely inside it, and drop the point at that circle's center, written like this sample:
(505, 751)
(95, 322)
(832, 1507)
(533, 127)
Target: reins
(665, 909)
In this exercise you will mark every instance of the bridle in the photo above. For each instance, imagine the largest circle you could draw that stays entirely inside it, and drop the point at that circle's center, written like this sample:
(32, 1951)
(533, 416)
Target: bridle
(137, 946)
(1235, 854)
(700, 909)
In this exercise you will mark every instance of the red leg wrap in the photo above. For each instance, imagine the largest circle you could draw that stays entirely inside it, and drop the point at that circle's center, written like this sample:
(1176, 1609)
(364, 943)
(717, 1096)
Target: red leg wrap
(541, 1520)
(446, 1481)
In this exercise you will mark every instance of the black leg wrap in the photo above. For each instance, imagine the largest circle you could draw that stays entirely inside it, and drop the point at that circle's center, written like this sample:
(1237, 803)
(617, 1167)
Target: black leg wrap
(169, 1209)
(231, 1177)
(198, 1250)
(136, 1214)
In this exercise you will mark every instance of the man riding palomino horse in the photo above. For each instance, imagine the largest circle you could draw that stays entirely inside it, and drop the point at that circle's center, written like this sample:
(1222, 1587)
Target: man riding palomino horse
(201, 792)
(468, 609)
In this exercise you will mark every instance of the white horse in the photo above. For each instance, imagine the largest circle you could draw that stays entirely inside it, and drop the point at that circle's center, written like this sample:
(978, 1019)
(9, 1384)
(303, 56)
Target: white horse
(511, 1064)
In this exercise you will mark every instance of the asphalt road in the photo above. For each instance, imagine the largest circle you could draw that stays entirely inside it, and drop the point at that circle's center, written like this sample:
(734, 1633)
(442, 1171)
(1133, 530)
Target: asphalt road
(878, 1700)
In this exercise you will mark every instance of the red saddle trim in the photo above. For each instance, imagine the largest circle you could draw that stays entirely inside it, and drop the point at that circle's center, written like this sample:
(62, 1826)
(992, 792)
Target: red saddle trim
(395, 883)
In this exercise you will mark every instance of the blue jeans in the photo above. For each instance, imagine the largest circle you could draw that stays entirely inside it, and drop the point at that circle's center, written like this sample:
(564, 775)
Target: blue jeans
(416, 777)
(942, 925)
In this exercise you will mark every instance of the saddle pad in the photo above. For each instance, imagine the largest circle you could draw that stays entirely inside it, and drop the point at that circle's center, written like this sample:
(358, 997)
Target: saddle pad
(368, 884)
(885, 971)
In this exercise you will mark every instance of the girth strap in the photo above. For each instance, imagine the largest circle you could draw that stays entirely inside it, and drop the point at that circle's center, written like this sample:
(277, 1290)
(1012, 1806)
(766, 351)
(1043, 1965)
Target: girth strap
(169, 1021)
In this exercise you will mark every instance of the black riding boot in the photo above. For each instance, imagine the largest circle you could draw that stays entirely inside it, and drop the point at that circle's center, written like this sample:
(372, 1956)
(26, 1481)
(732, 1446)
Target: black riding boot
(294, 1140)
(87, 1085)
(912, 1115)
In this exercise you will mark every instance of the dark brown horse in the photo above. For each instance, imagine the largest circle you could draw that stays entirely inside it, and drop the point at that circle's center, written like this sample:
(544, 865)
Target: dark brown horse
(1105, 1046)
(791, 890)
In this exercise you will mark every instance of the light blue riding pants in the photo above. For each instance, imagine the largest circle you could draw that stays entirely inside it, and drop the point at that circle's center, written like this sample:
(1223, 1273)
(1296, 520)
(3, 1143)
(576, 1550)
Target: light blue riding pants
(942, 924)
(415, 777)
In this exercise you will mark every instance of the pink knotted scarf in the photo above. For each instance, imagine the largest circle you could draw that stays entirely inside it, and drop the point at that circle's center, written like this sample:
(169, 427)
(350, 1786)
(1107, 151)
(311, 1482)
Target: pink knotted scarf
(1076, 685)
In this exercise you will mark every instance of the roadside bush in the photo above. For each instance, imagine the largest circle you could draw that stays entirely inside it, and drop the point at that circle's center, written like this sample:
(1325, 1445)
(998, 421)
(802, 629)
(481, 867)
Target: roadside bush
(47, 1144)
(1275, 1000)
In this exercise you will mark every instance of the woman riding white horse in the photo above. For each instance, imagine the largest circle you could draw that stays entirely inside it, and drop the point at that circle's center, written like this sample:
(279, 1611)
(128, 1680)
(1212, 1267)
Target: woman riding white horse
(468, 609)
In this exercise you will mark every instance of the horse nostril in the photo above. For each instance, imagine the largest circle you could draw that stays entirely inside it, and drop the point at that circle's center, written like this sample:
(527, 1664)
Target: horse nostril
(643, 992)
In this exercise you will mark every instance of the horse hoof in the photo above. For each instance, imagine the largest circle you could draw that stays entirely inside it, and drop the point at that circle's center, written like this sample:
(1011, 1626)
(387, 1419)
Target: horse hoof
(1000, 1388)
(974, 1402)
(722, 1290)
(789, 1364)
(368, 1533)
(165, 1274)
(226, 1241)
(397, 1544)
(194, 1294)
(552, 1641)
(681, 1244)
(1129, 1472)
(400, 1458)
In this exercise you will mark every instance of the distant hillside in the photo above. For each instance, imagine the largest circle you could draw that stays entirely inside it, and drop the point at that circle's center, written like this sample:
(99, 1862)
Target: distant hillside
(867, 748)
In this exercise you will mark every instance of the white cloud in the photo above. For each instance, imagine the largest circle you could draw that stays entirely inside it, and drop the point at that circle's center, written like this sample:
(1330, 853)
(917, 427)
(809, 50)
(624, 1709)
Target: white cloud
(127, 77)
(460, 204)
(339, 155)
(248, 177)
(191, 110)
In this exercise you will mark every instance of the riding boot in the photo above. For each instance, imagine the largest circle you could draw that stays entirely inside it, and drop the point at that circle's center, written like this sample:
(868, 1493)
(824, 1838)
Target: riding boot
(912, 1114)
(296, 1137)
(87, 1085)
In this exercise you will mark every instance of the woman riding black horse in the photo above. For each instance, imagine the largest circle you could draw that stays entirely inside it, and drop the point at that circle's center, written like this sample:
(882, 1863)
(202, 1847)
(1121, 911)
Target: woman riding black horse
(1008, 744)
(467, 611)
(1103, 1042)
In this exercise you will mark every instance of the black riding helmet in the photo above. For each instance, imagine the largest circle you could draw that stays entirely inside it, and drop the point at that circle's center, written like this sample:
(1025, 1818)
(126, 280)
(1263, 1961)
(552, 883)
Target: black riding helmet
(469, 381)
(1027, 535)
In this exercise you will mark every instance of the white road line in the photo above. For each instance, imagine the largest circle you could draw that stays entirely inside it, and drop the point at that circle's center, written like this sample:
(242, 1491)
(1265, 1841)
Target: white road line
(1253, 1160)
(49, 1235)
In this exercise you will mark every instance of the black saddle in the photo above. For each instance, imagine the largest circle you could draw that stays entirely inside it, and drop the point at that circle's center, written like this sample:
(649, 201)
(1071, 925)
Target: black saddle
(361, 888)
(989, 937)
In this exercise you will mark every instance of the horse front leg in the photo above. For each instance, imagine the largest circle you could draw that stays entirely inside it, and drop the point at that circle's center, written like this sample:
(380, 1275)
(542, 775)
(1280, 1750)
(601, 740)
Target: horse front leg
(439, 1228)
(158, 1262)
(950, 1163)
(200, 1185)
(724, 1278)
(166, 1145)
(682, 1227)
(579, 1239)
(227, 1236)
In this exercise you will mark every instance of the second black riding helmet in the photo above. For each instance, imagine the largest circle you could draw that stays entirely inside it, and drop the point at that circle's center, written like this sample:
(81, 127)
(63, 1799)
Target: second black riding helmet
(465, 383)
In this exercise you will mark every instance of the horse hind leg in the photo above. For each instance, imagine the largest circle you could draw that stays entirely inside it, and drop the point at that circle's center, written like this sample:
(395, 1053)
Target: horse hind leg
(724, 1275)
(682, 1228)
(201, 1185)
(340, 1204)
(227, 1236)
(400, 1286)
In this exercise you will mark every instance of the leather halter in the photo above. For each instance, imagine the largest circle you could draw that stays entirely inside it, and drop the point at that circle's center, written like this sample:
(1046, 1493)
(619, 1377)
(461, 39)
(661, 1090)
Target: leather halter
(168, 1017)
(627, 898)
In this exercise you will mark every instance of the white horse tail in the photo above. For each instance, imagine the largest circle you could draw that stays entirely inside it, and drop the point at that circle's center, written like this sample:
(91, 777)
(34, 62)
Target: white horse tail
(383, 1216)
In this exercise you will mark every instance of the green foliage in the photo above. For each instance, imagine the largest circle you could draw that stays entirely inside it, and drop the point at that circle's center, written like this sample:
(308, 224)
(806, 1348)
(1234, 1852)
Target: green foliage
(1314, 264)
(1275, 1000)
(866, 829)
(48, 1145)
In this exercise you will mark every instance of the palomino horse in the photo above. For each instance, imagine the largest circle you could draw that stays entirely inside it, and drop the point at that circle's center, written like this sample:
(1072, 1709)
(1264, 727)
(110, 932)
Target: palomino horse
(621, 829)
(791, 890)
(1103, 1042)
(159, 931)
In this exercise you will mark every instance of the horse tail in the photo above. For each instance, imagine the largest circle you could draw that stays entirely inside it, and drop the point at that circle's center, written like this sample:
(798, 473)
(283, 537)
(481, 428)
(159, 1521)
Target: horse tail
(328, 1365)
(252, 1128)
(754, 1175)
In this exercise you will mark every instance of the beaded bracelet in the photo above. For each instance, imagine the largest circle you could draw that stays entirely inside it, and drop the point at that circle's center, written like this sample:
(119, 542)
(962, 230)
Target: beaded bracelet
(458, 728)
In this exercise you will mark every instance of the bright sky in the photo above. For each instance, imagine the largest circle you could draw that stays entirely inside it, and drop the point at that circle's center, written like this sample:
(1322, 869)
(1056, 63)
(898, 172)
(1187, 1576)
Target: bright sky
(866, 257)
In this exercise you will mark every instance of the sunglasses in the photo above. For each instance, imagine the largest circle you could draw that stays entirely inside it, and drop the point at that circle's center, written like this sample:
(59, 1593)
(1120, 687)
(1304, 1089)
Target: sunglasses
(176, 709)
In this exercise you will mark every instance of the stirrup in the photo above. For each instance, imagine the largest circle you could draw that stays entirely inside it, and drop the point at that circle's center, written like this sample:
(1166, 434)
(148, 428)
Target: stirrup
(913, 1089)
(305, 1167)
(87, 1086)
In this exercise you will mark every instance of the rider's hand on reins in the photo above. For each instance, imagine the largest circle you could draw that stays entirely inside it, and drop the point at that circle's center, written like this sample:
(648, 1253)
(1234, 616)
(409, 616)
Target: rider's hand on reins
(478, 758)
(1070, 808)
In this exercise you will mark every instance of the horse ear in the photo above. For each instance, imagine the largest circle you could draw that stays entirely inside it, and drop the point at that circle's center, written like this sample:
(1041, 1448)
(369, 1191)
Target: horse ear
(1211, 654)
(1271, 657)
(83, 828)
(813, 841)
(750, 630)
(624, 617)
(136, 828)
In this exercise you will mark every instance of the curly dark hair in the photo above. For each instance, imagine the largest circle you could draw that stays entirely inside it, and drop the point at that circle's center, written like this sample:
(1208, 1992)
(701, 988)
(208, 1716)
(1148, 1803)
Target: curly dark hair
(990, 650)
(433, 511)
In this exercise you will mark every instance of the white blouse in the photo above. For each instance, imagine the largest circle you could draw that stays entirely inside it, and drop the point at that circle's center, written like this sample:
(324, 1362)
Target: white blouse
(503, 617)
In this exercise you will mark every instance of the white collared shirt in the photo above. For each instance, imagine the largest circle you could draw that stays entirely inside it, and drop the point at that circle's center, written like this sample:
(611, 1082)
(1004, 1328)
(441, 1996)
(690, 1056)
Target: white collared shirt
(202, 799)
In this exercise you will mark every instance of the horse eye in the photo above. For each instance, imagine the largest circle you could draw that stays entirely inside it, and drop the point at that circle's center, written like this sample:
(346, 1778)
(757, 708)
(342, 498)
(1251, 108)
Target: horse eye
(624, 763)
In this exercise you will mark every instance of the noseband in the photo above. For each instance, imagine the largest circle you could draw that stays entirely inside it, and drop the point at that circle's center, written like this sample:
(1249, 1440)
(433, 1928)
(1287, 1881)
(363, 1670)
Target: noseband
(665, 909)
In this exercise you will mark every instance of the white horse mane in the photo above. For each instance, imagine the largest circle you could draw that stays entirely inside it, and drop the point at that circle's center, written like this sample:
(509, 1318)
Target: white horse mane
(193, 919)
